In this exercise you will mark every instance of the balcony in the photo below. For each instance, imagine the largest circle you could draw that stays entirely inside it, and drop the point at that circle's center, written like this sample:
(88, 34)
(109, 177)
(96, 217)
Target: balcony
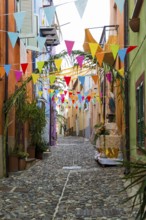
(52, 33)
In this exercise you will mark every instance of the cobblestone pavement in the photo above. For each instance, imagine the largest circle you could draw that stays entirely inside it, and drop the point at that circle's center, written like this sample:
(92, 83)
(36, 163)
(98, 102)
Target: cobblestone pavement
(68, 185)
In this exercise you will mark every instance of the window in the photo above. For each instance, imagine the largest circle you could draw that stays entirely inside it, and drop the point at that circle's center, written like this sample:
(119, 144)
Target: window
(140, 111)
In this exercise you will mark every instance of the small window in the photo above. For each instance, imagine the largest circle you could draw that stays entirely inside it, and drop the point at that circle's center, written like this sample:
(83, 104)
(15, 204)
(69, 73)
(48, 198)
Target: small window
(140, 113)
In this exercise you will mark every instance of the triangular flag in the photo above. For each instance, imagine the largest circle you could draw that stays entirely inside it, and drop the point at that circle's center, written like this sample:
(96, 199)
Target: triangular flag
(52, 79)
(67, 79)
(120, 4)
(79, 97)
(18, 74)
(69, 46)
(88, 98)
(95, 79)
(99, 57)
(51, 95)
(58, 63)
(7, 68)
(109, 77)
(2, 71)
(40, 65)
(65, 92)
(122, 54)
(81, 79)
(13, 38)
(24, 66)
(41, 42)
(130, 48)
(35, 77)
(114, 49)
(50, 13)
(81, 5)
(40, 93)
(93, 48)
(80, 60)
(121, 72)
(19, 18)
(56, 91)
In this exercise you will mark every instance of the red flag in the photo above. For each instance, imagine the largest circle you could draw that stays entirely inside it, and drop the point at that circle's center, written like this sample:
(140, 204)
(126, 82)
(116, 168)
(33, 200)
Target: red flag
(130, 48)
(70, 93)
(67, 79)
(65, 92)
(73, 101)
(76, 107)
(24, 66)
(89, 98)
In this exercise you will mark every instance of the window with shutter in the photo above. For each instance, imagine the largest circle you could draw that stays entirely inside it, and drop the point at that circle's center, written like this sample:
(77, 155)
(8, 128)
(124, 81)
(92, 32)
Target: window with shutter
(140, 114)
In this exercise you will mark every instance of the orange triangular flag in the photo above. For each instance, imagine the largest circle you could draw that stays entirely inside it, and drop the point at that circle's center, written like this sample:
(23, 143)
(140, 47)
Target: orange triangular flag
(99, 57)
(95, 78)
(2, 71)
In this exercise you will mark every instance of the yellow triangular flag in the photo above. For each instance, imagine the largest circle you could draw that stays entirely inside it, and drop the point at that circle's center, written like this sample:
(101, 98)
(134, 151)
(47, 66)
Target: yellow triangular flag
(52, 79)
(40, 93)
(51, 90)
(40, 65)
(99, 57)
(35, 77)
(114, 49)
(58, 63)
(2, 71)
(93, 48)
(121, 72)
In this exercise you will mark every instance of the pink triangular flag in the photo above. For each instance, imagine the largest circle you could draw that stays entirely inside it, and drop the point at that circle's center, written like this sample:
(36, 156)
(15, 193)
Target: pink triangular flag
(80, 60)
(69, 46)
(18, 74)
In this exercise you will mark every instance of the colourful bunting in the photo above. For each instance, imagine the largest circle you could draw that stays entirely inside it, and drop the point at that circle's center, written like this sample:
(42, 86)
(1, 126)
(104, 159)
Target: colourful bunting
(58, 63)
(13, 38)
(114, 49)
(52, 79)
(7, 68)
(69, 46)
(65, 92)
(121, 72)
(2, 71)
(50, 13)
(81, 5)
(95, 78)
(130, 48)
(35, 77)
(81, 79)
(93, 48)
(40, 93)
(18, 74)
(41, 42)
(88, 98)
(100, 57)
(80, 60)
(67, 79)
(120, 4)
(19, 18)
(109, 77)
(122, 54)
(24, 67)
(40, 65)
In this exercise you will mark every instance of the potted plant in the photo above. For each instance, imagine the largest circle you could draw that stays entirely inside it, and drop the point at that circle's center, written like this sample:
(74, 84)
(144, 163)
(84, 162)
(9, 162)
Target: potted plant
(40, 148)
(22, 155)
(13, 160)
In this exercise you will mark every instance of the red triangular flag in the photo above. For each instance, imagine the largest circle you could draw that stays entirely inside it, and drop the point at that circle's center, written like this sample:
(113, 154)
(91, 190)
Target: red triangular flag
(65, 92)
(24, 66)
(89, 98)
(67, 79)
(130, 48)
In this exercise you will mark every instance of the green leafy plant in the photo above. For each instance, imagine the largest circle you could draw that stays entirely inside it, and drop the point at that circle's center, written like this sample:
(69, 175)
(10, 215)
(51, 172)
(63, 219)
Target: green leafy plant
(22, 154)
(41, 147)
(100, 130)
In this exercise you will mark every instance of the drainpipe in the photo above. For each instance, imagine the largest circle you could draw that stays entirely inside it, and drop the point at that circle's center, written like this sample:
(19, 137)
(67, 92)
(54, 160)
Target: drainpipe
(127, 127)
(6, 86)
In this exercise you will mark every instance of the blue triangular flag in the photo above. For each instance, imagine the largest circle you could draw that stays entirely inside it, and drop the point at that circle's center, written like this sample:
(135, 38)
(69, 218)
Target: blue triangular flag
(7, 68)
(120, 4)
(41, 42)
(19, 18)
(50, 12)
(56, 91)
(13, 38)
(79, 97)
(81, 79)
(86, 93)
(122, 54)
(81, 5)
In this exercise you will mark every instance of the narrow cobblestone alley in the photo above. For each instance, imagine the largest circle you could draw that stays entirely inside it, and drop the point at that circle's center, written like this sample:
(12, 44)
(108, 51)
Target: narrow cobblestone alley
(69, 185)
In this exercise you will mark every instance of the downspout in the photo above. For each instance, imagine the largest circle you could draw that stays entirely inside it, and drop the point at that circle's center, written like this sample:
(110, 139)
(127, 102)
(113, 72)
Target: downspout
(127, 126)
(6, 88)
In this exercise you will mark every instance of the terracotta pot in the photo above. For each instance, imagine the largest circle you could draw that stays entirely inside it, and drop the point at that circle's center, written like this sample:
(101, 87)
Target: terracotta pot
(22, 164)
(13, 163)
(31, 152)
(134, 24)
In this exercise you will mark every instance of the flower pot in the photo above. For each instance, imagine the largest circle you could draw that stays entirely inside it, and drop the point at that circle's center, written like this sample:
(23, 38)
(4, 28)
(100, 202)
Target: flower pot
(31, 152)
(13, 163)
(134, 24)
(39, 155)
(22, 164)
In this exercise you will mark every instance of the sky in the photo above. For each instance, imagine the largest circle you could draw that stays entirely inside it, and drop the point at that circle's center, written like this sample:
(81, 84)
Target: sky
(96, 14)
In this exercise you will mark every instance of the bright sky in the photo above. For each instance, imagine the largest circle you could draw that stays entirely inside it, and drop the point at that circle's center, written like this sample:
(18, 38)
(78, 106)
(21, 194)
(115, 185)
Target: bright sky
(96, 14)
